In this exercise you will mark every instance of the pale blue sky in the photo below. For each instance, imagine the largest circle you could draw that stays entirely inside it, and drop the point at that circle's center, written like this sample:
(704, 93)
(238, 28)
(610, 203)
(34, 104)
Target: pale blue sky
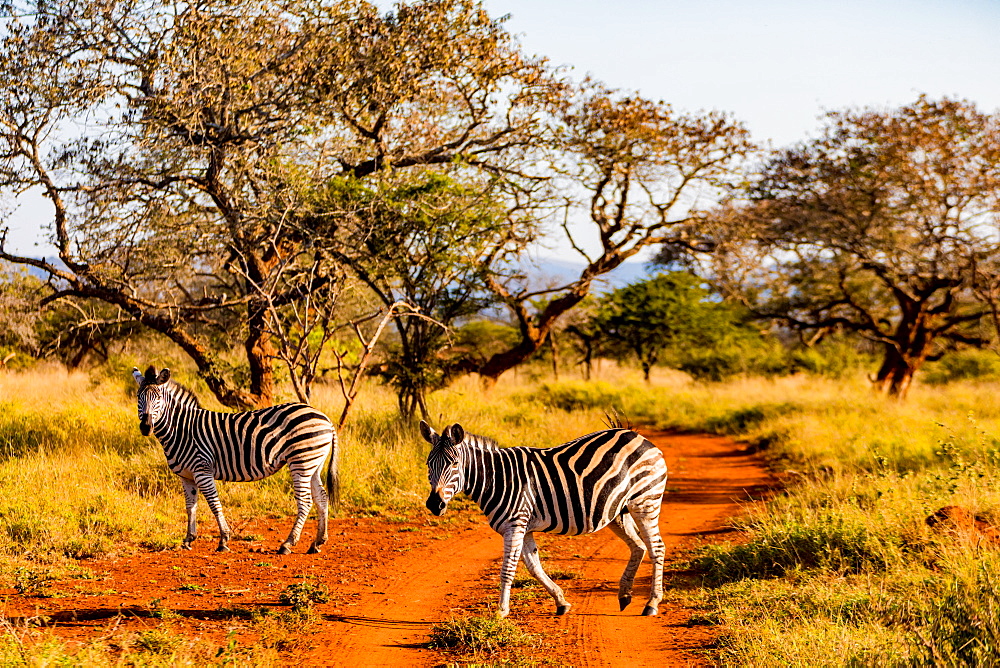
(774, 64)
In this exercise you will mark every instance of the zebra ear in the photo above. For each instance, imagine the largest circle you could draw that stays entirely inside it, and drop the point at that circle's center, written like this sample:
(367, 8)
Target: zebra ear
(163, 377)
(137, 375)
(150, 376)
(455, 433)
(428, 433)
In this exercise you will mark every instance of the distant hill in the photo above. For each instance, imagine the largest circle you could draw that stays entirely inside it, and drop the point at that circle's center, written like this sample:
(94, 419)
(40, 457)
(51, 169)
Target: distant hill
(542, 272)
(554, 271)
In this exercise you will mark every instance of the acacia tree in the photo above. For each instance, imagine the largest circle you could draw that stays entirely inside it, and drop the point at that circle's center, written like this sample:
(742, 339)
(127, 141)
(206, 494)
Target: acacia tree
(668, 311)
(635, 174)
(179, 146)
(430, 240)
(884, 225)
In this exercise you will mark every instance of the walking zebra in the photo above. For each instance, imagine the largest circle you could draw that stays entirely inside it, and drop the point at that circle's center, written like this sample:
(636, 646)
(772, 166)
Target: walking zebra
(203, 446)
(610, 478)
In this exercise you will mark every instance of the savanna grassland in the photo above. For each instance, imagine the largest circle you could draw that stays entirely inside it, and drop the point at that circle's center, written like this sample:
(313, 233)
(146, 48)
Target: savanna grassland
(839, 568)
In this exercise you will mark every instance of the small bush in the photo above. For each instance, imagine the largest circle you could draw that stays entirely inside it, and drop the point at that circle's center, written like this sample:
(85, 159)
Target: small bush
(158, 641)
(750, 356)
(743, 419)
(302, 596)
(577, 396)
(836, 357)
(477, 634)
(29, 582)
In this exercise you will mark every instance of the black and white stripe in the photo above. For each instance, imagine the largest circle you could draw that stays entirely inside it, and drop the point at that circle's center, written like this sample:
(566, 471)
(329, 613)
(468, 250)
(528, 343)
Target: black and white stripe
(203, 446)
(613, 478)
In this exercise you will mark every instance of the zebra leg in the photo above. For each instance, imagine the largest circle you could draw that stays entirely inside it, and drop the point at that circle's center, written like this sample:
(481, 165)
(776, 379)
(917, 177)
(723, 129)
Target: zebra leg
(647, 516)
(624, 527)
(191, 505)
(529, 552)
(206, 483)
(303, 501)
(319, 494)
(513, 538)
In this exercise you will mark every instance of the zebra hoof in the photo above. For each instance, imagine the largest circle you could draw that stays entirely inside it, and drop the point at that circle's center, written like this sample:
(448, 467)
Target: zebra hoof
(284, 549)
(563, 609)
(648, 611)
(222, 548)
(185, 546)
(623, 601)
(313, 549)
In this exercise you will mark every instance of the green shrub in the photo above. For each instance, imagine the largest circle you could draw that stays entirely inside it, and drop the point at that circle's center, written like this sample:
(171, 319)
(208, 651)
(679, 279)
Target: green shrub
(836, 357)
(574, 396)
(744, 356)
(830, 542)
(961, 627)
(963, 365)
(302, 596)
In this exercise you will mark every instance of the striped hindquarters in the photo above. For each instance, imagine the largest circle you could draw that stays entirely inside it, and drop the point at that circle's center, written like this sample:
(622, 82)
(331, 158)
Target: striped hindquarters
(584, 484)
(255, 444)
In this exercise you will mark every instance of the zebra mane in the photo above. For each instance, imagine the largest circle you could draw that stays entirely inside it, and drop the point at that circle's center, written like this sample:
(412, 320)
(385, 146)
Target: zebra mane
(185, 396)
(616, 421)
(477, 441)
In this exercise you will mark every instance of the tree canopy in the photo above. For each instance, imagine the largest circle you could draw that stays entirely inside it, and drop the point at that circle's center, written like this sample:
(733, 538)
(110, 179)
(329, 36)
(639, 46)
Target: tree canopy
(181, 145)
(640, 174)
(885, 225)
(672, 310)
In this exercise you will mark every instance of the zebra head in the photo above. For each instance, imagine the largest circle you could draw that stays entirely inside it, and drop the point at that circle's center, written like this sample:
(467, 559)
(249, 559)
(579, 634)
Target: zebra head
(150, 396)
(444, 468)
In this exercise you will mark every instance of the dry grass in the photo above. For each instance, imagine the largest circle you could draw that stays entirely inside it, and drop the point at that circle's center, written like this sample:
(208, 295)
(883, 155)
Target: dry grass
(840, 570)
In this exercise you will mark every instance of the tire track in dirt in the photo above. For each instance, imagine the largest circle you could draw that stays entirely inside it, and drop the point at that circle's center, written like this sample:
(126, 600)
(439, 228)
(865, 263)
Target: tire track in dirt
(419, 591)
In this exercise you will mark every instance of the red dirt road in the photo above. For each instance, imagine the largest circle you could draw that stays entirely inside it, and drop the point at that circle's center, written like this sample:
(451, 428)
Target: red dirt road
(392, 579)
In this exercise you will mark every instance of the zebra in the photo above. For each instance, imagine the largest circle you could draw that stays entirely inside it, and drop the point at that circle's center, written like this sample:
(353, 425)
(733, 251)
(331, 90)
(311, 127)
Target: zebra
(612, 478)
(202, 446)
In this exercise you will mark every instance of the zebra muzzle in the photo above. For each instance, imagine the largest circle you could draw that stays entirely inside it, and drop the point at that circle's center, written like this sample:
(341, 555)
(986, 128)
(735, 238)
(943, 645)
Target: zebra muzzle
(144, 427)
(435, 504)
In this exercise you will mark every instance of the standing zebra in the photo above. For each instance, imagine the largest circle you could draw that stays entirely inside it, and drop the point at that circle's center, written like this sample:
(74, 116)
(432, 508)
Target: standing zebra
(610, 478)
(203, 446)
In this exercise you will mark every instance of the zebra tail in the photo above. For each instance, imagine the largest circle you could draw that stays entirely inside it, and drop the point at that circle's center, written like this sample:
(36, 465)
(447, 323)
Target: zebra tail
(333, 476)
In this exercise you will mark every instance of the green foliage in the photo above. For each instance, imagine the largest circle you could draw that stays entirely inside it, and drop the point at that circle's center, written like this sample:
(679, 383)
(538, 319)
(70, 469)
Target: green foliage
(479, 339)
(31, 582)
(963, 365)
(302, 596)
(477, 634)
(833, 357)
(432, 240)
(830, 542)
(20, 316)
(158, 641)
(741, 351)
(574, 396)
(674, 311)
(960, 625)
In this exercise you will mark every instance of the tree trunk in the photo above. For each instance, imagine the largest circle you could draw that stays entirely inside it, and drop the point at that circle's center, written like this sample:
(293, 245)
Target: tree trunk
(260, 355)
(555, 356)
(896, 372)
